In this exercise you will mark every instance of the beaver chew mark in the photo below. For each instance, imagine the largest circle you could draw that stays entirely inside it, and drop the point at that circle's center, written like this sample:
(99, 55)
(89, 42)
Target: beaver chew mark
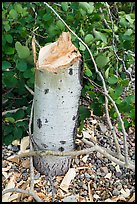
(46, 91)
(62, 142)
(39, 123)
(70, 71)
(61, 149)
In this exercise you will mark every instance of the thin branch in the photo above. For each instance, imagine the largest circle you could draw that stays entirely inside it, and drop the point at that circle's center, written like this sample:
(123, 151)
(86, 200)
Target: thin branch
(107, 154)
(17, 190)
(97, 71)
(30, 90)
(31, 148)
(13, 111)
(113, 43)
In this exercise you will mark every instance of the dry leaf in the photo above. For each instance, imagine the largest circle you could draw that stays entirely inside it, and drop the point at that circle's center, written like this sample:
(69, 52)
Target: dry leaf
(14, 159)
(11, 184)
(108, 175)
(24, 143)
(67, 179)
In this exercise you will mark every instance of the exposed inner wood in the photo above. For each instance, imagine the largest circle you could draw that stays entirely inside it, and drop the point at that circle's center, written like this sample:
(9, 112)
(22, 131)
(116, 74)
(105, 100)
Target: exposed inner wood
(58, 55)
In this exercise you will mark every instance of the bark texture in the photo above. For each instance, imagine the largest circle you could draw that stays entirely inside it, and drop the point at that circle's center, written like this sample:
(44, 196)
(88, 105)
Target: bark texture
(56, 102)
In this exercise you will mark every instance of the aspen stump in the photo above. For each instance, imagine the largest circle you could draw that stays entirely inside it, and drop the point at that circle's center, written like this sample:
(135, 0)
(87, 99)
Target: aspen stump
(56, 101)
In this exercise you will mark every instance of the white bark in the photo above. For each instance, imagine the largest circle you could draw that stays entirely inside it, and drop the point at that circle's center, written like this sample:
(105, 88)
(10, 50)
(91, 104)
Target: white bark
(56, 101)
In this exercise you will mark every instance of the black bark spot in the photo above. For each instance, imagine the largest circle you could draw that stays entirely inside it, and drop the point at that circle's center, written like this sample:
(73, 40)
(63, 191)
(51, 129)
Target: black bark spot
(58, 88)
(46, 121)
(70, 71)
(46, 91)
(74, 117)
(55, 72)
(61, 80)
(62, 102)
(44, 145)
(61, 149)
(62, 142)
(62, 96)
(51, 127)
(71, 92)
(39, 123)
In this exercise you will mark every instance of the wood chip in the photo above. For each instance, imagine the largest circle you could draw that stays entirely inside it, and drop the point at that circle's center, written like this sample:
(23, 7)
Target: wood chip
(125, 192)
(108, 175)
(25, 163)
(67, 179)
(24, 143)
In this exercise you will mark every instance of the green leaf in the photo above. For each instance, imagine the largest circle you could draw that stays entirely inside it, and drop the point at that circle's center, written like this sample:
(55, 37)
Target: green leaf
(128, 32)
(7, 27)
(102, 60)
(18, 132)
(100, 36)
(88, 73)
(9, 38)
(9, 79)
(107, 72)
(84, 113)
(19, 114)
(64, 6)
(21, 65)
(82, 47)
(9, 50)
(23, 51)
(60, 25)
(9, 120)
(5, 65)
(129, 19)
(112, 79)
(18, 8)
(87, 7)
(88, 39)
(13, 14)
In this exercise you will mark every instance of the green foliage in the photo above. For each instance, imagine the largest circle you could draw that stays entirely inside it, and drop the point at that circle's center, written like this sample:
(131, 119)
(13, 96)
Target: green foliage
(84, 18)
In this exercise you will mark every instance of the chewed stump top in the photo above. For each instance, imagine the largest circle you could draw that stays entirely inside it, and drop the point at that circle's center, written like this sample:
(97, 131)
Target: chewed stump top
(58, 55)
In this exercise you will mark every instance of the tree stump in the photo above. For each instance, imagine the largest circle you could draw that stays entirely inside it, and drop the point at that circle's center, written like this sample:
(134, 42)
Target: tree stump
(56, 101)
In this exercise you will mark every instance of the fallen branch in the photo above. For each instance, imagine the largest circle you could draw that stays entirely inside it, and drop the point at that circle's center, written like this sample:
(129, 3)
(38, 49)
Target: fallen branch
(96, 147)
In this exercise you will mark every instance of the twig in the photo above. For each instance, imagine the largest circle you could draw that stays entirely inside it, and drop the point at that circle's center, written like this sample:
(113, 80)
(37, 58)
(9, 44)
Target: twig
(13, 111)
(28, 192)
(31, 148)
(113, 43)
(30, 90)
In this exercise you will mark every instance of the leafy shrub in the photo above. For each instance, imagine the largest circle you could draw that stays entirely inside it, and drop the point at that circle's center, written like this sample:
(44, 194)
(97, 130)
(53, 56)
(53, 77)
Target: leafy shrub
(18, 22)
